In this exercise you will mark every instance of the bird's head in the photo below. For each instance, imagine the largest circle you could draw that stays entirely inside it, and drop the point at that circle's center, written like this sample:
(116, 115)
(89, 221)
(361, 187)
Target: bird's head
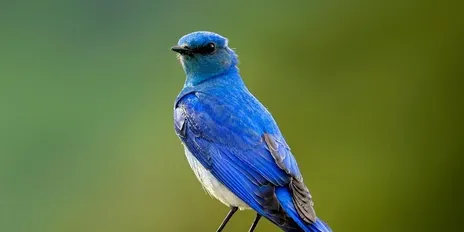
(204, 54)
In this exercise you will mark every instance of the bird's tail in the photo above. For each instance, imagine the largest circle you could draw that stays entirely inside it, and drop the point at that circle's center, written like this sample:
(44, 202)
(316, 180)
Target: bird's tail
(285, 199)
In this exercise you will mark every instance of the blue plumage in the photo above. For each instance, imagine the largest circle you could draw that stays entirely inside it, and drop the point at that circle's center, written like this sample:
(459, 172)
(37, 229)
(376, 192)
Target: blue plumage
(235, 139)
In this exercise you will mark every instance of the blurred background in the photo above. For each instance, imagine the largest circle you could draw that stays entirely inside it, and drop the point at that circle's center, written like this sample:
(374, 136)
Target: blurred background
(367, 95)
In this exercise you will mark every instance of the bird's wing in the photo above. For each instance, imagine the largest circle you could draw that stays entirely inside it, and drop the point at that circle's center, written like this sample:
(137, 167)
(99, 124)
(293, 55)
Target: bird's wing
(250, 159)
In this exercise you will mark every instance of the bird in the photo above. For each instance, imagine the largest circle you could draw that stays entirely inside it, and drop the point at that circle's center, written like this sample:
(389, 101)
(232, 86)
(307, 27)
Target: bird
(232, 142)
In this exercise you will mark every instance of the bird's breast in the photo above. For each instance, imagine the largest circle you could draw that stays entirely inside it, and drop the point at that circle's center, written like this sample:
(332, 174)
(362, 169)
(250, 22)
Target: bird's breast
(212, 185)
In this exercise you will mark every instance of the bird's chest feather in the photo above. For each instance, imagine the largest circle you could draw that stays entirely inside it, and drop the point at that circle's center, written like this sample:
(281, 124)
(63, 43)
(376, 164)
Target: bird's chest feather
(211, 185)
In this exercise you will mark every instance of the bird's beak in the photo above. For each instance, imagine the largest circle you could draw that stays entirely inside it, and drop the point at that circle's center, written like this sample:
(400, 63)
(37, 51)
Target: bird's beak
(182, 50)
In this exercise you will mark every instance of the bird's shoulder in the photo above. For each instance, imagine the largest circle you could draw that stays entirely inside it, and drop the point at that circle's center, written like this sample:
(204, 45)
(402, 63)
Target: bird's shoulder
(234, 108)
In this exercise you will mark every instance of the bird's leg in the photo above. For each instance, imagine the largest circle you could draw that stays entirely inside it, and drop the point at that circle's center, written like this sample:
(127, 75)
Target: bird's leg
(227, 218)
(255, 223)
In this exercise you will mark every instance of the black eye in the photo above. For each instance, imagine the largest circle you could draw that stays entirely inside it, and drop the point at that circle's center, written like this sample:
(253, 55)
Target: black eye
(209, 48)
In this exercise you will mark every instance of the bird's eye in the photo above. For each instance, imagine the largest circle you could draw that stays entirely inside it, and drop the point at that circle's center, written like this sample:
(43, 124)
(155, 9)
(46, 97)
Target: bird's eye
(209, 48)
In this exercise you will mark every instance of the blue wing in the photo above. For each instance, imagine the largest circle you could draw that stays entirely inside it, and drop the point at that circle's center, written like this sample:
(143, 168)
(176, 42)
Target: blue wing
(241, 145)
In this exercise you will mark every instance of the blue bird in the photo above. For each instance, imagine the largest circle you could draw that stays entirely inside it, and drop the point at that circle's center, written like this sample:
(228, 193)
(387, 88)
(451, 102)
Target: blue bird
(233, 144)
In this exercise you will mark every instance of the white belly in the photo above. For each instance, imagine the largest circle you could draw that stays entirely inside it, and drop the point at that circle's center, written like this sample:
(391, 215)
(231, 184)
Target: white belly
(211, 185)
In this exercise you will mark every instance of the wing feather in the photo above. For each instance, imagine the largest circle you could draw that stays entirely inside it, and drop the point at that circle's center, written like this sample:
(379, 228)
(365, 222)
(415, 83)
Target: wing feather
(245, 151)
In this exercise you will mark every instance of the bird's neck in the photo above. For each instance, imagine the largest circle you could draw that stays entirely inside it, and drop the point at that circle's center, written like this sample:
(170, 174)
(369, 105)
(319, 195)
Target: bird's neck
(194, 79)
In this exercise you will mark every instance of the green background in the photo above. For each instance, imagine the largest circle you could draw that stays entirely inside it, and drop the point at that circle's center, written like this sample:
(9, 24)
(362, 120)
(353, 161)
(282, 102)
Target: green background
(367, 95)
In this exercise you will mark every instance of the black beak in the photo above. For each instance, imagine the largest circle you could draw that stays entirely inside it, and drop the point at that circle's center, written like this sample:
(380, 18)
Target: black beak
(182, 50)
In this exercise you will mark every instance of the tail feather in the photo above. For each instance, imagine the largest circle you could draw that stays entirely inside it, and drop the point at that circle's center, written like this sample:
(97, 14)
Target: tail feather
(285, 199)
